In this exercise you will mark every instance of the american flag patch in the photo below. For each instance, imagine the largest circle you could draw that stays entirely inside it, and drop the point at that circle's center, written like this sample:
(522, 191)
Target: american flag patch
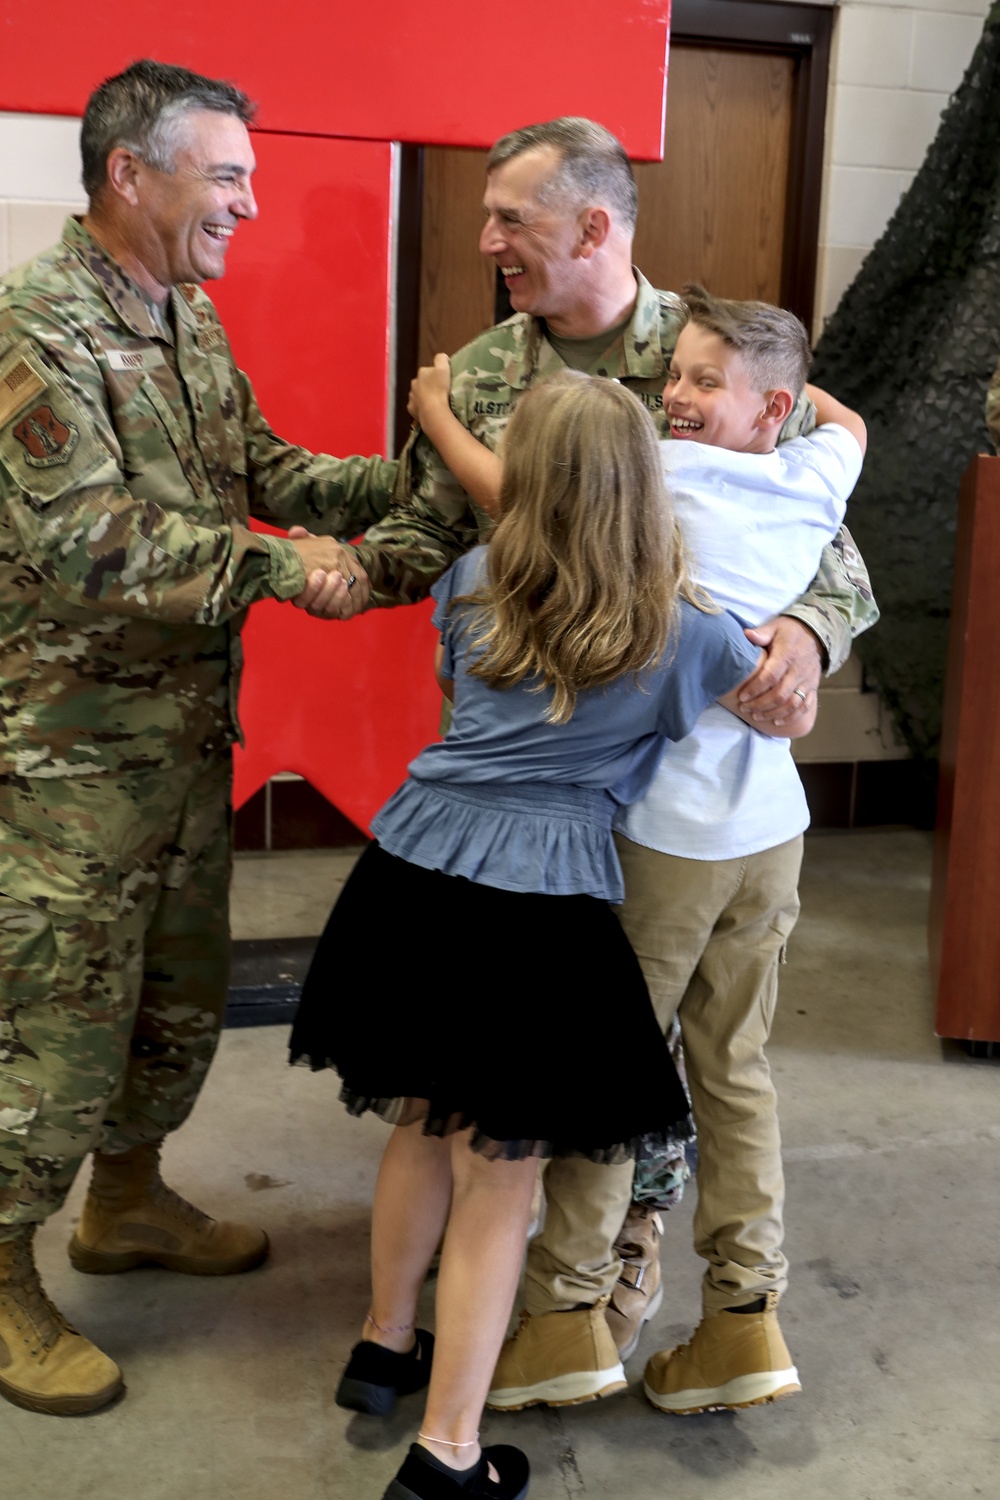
(20, 383)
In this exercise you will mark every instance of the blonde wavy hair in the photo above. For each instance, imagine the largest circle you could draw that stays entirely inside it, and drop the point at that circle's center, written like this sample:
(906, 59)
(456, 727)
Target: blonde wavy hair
(586, 565)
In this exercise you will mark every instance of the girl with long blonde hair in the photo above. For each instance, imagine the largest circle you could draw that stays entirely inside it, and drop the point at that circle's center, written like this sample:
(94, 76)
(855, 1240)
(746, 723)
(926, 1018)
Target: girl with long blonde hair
(573, 649)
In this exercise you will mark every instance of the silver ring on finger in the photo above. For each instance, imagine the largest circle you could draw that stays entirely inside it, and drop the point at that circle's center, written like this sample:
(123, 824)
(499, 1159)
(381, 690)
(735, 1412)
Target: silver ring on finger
(798, 691)
(351, 582)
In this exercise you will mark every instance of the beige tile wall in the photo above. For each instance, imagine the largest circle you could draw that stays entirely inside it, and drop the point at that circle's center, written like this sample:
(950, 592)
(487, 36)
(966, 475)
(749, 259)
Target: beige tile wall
(852, 723)
(39, 182)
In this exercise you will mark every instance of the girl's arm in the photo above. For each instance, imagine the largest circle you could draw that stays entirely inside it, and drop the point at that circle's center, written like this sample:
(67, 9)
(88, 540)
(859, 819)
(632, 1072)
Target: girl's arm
(828, 409)
(446, 684)
(473, 465)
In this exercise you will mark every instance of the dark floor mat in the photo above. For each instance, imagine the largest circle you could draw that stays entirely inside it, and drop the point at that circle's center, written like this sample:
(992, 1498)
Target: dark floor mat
(265, 980)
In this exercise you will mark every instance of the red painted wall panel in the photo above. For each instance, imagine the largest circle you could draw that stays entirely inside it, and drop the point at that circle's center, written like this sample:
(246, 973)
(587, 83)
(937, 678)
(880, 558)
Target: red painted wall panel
(306, 296)
(450, 73)
(306, 302)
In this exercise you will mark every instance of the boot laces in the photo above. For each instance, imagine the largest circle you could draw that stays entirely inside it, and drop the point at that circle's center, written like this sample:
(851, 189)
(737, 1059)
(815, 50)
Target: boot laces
(23, 1288)
(165, 1198)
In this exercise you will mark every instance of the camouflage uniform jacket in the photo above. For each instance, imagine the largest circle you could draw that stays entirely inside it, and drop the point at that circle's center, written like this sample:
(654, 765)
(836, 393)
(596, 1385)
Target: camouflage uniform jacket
(131, 453)
(433, 521)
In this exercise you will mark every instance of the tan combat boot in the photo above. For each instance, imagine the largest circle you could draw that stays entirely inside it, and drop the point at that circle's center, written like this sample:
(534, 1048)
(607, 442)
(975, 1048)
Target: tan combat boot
(638, 1292)
(45, 1365)
(131, 1218)
(734, 1359)
(557, 1359)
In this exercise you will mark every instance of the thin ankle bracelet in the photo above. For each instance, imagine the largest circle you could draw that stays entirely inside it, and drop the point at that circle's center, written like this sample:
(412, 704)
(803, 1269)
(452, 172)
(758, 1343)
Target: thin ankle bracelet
(446, 1442)
(400, 1328)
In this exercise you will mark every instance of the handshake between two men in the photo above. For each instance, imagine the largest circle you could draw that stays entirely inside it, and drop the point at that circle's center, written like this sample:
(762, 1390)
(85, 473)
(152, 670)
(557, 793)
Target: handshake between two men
(337, 587)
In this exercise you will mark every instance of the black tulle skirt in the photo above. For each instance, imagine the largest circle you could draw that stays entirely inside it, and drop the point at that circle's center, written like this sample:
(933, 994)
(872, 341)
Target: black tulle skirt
(522, 1016)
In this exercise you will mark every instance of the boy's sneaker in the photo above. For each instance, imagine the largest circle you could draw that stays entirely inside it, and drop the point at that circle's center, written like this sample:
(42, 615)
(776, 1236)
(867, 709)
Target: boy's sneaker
(557, 1359)
(638, 1292)
(734, 1359)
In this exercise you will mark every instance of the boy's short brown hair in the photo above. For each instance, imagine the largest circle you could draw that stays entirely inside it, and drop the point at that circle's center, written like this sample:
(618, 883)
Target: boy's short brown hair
(771, 341)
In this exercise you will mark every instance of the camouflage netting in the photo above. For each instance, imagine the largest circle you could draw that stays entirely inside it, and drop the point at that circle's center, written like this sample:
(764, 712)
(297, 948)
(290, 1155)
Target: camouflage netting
(912, 346)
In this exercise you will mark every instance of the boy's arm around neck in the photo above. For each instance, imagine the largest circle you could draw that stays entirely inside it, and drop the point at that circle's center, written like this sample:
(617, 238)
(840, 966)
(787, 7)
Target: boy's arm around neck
(816, 630)
(829, 409)
(801, 419)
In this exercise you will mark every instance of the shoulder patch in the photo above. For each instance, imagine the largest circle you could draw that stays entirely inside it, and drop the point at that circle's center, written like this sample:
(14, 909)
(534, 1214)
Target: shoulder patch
(20, 384)
(46, 439)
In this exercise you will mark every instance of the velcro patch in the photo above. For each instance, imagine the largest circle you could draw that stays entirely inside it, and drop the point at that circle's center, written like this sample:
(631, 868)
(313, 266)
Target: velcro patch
(48, 444)
(20, 383)
(46, 439)
(133, 359)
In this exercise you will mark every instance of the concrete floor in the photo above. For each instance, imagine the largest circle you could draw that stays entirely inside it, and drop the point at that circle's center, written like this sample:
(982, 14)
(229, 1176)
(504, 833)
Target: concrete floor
(891, 1144)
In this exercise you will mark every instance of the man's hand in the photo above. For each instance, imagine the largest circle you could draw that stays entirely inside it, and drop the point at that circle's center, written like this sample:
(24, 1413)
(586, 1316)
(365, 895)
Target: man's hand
(336, 587)
(789, 673)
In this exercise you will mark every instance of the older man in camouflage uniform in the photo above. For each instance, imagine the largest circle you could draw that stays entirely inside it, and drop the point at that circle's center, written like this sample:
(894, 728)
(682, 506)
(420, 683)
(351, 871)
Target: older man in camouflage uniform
(132, 452)
(560, 207)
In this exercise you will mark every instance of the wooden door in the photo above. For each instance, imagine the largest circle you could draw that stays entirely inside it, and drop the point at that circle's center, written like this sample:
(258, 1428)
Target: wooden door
(457, 285)
(716, 209)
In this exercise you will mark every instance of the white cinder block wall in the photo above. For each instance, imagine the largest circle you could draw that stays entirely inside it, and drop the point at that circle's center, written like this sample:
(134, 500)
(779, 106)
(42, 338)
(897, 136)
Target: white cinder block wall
(892, 70)
(39, 182)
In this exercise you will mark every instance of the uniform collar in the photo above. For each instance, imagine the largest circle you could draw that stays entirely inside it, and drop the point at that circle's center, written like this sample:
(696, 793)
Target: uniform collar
(637, 352)
(135, 309)
(640, 353)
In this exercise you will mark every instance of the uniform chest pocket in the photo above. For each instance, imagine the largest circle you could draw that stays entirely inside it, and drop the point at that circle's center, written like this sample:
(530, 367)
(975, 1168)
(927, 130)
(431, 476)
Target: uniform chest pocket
(159, 459)
(145, 426)
(221, 425)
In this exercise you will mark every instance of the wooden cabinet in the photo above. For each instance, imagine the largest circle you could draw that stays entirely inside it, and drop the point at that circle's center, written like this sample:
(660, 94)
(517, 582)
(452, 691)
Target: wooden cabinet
(964, 928)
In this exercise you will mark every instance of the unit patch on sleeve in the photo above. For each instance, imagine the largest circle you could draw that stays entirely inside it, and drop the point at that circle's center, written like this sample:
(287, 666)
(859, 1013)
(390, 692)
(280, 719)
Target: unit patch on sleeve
(45, 438)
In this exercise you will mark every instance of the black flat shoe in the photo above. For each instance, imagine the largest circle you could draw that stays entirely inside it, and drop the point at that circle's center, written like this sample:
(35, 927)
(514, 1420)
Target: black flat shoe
(375, 1376)
(424, 1477)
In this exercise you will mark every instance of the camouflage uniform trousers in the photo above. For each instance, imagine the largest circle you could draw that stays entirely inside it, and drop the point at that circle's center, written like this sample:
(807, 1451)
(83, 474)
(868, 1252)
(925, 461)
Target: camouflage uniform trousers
(109, 1020)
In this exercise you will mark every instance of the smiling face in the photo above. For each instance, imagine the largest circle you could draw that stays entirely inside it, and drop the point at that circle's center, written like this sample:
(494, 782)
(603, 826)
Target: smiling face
(186, 218)
(535, 243)
(709, 397)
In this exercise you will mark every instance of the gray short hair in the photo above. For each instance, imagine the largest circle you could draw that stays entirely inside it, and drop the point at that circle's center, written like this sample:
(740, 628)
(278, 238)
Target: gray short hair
(143, 110)
(772, 343)
(594, 167)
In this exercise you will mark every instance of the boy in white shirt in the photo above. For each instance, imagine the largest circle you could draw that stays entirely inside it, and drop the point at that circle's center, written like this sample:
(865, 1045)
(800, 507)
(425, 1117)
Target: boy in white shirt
(711, 857)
